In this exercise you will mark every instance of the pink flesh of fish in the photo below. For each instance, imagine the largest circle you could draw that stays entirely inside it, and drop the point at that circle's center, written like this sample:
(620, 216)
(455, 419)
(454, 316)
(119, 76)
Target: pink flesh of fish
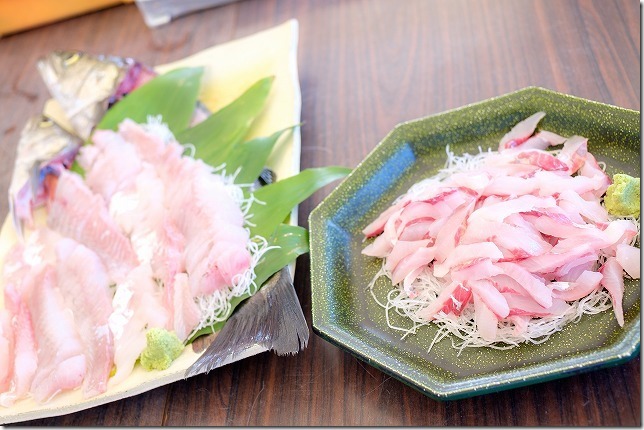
(629, 258)
(613, 281)
(486, 321)
(95, 229)
(55, 331)
(83, 281)
(528, 223)
(521, 131)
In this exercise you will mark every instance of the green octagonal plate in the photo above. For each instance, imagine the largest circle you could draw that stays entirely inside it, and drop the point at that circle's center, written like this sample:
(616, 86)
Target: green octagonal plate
(344, 312)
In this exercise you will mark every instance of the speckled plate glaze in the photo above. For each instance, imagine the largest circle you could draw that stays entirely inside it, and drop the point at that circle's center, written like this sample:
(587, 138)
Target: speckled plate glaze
(344, 312)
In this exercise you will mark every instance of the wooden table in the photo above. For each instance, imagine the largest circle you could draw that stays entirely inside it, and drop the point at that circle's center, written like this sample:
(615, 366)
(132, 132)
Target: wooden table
(364, 67)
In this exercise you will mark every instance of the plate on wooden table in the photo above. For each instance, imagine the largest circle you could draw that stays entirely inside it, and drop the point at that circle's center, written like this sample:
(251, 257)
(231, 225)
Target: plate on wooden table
(229, 69)
(345, 313)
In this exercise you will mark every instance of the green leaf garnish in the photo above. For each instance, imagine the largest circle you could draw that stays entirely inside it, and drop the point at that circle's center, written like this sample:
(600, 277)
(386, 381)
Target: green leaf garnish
(215, 137)
(280, 197)
(250, 157)
(172, 95)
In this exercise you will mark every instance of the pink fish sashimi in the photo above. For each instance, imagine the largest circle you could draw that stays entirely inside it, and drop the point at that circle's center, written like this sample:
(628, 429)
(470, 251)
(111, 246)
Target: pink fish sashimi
(521, 131)
(453, 298)
(585, 284)
(629, 258)
(534, 286)
(501, 210)
(152, 147)
(109, 164)
(487, 322)
(542, 159)
(225, 263)
(613, 281)
(6, 350)
(592, 210)
(494, 300)
(69, 215)
(403, 249)
(594, 173)
(54, 328)
(377, 226)
(421, 257)
(186, 312)
(465, 253)
(84, 283)
(451, 232)
(573, 154)
(526, 306)
(138, 305)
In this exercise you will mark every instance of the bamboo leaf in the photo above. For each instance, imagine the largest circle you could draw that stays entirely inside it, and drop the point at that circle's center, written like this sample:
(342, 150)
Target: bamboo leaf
(215, 137)
(280, 197)
(292, 241)
(172, 95)
(250, 157)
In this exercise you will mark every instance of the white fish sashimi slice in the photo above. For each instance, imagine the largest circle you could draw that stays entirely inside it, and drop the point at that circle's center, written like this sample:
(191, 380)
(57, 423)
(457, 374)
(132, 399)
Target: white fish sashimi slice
(84, 283)
(618, 231)
(629, 258)
(573, 153)
(494, 300)
(585, 284)
(510, 186)
(220, 269)
(501, 210)
(402, 249)
(519, 242)
(534, 286)
(595, 174)
(419, 258)
(25, 360)
(186, 312)
(542, 159)
(465, 253)
(521, 131)
(452, 230)
(110, 164)
(486, 321)
(429, 312)
(480, 269)
(154, 147)
(527, 306)
(416, 231)
(613, 281)
(95, 229)
(592, 210)
(138, 305)
(55, 330)
(377, 226)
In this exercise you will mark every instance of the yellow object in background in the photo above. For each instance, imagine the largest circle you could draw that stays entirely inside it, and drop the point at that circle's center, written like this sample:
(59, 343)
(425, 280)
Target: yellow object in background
(19, 15)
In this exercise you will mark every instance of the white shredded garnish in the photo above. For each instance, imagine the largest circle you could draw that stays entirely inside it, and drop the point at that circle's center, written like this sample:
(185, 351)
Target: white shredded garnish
(461, 330)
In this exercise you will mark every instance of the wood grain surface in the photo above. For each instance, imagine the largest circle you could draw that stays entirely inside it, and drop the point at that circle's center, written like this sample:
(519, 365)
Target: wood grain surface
(364, 65)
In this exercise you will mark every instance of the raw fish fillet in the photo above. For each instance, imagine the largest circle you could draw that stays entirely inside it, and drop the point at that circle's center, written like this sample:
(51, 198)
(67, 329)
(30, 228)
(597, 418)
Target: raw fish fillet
(55, 331)
(95, 229)
(84, 283)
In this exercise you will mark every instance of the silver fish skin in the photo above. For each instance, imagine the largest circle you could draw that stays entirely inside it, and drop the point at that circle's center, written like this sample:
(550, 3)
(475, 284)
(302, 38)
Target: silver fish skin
(82, 84)
(43, 147)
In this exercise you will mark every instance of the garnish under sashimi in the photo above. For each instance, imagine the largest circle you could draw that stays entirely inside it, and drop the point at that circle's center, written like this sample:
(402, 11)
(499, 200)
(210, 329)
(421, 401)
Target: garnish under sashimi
(507, 246)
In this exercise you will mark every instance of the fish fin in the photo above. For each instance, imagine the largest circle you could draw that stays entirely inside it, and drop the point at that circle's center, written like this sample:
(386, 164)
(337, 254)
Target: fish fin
(272, 318)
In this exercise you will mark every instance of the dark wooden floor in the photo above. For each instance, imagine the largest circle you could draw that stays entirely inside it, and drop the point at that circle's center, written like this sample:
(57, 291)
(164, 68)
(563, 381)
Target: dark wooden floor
(364, 65)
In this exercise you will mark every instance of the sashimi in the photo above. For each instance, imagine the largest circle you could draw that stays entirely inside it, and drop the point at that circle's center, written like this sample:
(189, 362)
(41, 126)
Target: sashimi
(526, 240)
